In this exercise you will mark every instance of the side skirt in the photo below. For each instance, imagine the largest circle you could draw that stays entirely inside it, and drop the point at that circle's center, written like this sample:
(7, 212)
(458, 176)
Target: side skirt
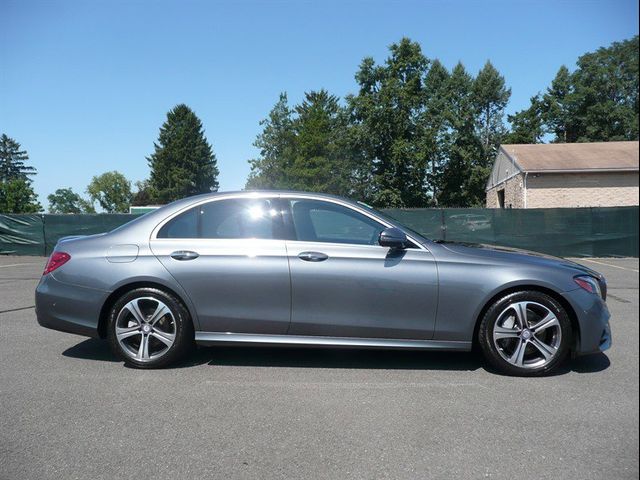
(218, 338)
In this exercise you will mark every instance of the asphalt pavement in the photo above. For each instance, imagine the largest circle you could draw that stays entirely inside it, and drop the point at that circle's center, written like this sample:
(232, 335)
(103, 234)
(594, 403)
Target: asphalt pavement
(70, 410)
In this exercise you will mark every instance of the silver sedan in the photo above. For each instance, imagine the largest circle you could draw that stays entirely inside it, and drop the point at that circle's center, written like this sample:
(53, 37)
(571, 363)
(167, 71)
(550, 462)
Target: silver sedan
(292, 268)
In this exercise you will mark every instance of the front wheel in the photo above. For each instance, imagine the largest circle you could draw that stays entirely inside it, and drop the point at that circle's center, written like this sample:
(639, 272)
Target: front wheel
(149, 328)
(526, 334)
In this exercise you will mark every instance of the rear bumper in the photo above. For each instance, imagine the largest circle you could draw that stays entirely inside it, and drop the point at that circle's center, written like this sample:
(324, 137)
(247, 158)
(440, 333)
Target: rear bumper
(68, 308)
(593, 317)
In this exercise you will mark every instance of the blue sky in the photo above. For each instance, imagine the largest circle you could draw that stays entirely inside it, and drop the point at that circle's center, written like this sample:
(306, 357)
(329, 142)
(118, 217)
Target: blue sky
(85, 86)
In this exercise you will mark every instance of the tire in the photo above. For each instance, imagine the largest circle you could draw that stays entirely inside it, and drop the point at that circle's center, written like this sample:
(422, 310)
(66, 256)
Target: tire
(534, 348)
(151, 317)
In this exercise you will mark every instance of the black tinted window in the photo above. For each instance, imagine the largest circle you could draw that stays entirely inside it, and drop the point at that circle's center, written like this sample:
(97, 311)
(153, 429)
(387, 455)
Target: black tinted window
(242, 218)
(317, 221)
(184, 225)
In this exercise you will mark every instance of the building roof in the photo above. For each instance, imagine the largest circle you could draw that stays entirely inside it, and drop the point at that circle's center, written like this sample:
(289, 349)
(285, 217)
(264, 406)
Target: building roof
(574, 157)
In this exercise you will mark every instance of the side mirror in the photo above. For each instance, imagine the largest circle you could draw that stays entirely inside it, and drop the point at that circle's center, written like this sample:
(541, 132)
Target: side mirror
(393, 238)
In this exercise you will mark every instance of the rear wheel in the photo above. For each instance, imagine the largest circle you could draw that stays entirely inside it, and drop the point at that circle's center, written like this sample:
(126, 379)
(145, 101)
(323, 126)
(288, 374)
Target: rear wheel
(149, 328)
(525, 333)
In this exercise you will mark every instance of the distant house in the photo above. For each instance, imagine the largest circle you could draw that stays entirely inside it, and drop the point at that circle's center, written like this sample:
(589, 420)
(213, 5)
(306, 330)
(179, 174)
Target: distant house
(564, 175)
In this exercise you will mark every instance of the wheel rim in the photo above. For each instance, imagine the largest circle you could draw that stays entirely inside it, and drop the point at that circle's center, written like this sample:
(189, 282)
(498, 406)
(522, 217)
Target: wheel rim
(527, 335)
(145, 329)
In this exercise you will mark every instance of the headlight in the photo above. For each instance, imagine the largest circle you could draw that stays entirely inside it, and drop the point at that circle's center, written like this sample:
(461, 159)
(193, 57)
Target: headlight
(589, 284)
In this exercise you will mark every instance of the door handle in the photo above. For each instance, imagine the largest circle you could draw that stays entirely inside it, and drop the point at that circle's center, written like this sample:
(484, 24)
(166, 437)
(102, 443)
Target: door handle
(313, 256)
(184, 255)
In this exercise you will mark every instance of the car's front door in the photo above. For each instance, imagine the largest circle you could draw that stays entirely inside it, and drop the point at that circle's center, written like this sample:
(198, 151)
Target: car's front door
(345, 284)
(229, 256)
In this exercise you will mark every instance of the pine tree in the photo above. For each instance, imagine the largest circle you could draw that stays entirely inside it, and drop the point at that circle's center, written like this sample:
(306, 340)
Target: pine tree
(527, 126)
(183, 163)
(276, 144)
(434, 122)
(559, 107)
(17, 196)
(490, 96)
(320, 163)
(12, 161)
(464, 146)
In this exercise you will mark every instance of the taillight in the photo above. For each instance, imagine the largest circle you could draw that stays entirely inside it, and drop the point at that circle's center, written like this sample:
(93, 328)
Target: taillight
(56, 260)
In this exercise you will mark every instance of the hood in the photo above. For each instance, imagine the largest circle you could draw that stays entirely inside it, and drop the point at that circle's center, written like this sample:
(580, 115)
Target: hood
(516, 255)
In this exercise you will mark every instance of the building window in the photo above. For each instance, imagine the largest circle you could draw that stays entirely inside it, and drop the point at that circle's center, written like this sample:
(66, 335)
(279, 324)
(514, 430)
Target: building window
(501, 198)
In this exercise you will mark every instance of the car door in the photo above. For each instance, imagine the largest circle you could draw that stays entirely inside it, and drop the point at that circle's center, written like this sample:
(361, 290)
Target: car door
(229, 255)
(345, 284)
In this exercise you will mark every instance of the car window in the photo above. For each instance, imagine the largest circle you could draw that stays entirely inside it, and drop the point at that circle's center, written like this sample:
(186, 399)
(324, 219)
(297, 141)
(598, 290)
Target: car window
(318, 221)
(233, 218)
(184, 225)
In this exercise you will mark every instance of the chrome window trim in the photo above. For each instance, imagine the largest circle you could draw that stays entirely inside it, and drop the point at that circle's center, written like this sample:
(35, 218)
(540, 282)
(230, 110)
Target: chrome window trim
(268, 195)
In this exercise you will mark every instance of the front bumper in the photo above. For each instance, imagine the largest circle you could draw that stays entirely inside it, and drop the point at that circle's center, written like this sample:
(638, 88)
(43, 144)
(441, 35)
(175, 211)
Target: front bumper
(68, 308)
(594, 335)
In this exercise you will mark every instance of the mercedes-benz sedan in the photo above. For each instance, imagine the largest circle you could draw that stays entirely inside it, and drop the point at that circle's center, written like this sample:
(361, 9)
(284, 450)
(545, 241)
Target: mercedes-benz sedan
(291, 268)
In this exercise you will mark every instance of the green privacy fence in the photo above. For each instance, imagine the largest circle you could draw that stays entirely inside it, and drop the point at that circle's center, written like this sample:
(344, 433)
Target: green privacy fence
(576, 232)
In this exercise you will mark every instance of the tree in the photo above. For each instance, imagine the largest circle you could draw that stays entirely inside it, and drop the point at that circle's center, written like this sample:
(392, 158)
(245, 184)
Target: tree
(386, 112)
(598, 102)
(16, 192)
(605, 88)
(559, 107)
(17, 196)
(276, 144)
(12, 161)
(183, 163)
(112, 191)
(65, 200)
(304, 147)
(527, 126)
(490, 96)
(436, 135)
(459, 180)
(144, 195)
(319, 163)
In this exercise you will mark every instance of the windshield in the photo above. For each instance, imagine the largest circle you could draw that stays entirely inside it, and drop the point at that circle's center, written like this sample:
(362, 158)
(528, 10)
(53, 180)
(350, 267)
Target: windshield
(393, 220)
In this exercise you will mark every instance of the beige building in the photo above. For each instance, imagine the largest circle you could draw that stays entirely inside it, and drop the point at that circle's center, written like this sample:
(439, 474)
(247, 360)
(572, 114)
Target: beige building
(553, 175)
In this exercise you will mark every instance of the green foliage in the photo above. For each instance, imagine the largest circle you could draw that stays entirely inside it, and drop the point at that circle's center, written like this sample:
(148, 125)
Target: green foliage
(605, 93)
(558, 112)
(144, 195)
(112, 191)
(65, 200)
(410, 137)
(17, 196)
(16, 192)
(277, 149)
(527, 125)
(436, 118)
(388, 129)
(183, 163)
(598, 102)
(303, 148)
(12, 161)
(464, 148)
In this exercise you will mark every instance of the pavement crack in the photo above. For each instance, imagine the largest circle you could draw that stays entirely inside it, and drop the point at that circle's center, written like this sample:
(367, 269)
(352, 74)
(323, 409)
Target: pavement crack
(17, 309)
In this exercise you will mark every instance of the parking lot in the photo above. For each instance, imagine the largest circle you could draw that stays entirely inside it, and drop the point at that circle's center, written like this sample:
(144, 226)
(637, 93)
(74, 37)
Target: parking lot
(68, 409)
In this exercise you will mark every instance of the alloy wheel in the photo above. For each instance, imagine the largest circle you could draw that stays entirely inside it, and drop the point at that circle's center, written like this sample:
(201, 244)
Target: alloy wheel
(145, 329)
(527, 334)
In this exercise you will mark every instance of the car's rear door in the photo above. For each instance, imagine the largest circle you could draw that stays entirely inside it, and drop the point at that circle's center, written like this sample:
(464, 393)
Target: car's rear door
(345, 284)
(229, 255)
